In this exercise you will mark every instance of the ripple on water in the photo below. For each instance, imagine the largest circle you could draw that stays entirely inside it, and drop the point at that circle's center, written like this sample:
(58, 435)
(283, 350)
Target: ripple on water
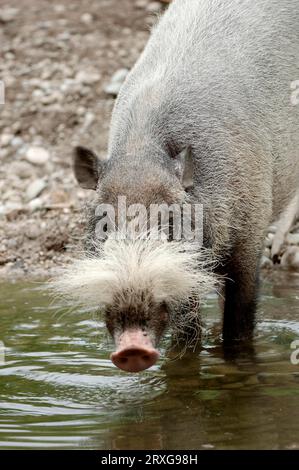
(58, 388)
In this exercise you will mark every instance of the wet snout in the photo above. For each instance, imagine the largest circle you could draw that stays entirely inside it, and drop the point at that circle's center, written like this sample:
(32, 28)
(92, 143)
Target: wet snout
(135, 351)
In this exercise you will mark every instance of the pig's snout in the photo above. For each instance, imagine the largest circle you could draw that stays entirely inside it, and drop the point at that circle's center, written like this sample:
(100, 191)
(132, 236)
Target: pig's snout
(135, 351)
(134, 359)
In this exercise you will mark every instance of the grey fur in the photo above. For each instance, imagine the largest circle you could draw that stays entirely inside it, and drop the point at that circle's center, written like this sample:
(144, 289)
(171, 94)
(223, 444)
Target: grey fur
(214, 77)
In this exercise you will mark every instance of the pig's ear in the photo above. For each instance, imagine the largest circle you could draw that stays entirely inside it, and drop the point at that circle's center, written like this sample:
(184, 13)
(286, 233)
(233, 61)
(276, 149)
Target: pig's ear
(87, 168)
(184, 167)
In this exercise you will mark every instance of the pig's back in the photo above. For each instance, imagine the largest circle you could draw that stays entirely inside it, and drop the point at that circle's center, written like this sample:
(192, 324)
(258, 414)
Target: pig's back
(213, 63)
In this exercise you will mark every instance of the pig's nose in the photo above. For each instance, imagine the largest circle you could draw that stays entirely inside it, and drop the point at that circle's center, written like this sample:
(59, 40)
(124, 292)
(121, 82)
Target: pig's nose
(134, 359)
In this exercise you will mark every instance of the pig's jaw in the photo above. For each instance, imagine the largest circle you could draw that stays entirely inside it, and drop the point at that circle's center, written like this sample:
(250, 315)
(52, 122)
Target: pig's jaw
(134, 351)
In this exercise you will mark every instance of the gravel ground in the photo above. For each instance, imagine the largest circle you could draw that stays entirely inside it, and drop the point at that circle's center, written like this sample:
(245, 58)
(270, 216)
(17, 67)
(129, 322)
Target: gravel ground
(62, 64)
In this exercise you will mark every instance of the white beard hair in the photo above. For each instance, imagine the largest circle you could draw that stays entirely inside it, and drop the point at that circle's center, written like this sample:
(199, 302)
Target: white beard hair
(169, 272)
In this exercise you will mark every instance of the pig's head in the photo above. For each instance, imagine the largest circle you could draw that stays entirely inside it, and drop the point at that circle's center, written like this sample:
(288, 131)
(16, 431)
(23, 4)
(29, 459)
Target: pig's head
(138, 282)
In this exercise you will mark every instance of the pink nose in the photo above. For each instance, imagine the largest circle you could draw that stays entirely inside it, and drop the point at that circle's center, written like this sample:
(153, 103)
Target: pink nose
(134, 359)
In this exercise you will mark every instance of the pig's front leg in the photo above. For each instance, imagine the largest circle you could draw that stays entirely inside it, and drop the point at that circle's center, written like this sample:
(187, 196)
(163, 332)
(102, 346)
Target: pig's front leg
(241, 287)
(187, 327)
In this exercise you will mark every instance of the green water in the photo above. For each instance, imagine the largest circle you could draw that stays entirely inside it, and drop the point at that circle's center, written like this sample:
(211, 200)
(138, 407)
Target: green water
(58, 388)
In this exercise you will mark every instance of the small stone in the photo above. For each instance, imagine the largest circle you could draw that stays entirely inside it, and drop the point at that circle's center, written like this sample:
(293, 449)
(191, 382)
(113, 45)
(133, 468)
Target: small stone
(32, 232)
(269, 240)
(3, 153)
(141, 3)
(8, 14)
(54, 97)
(272, 229)
(21, 169)
(86, 18)
(267, 252)
(293, 238)
(35, 188)
(81, 111)
(87, 78)
(37, 155)
(120, 75)
(5, 139)
(88, 120)
(116, 82)
(266, 262)
(59, 8)
(12, 243)
(35, 204)
(59, 197)
(37, 94)
(9, 56)
(112, 88)
(16, 142)
(12, 208)
(84, 91)
(290, 258)
(154, 7)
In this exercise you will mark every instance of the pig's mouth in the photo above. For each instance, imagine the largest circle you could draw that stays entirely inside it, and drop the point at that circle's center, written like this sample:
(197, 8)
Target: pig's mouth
(134, 351)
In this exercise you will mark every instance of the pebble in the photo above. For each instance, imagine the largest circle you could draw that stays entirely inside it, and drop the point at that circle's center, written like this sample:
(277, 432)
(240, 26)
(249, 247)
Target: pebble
(86, 18)
(10, 207)
(81, 111)
(120, 75)
(293, 238)
(5, 139)
(290, 258)
(116, 82)
(266, 262)
(272, 229)
(154, 7)
(269, 240)
(54, 97)
(8, 14)
(35, 188)
(12, 243)
(35, 204)
(112, 88)
(32, 231)
(17, 142)
(21, 169)
(267, 252)
(87, 78)
(59, 197)
(3, 153)
(37, 155)
(88, 120)
(141, 3)
(59, 8)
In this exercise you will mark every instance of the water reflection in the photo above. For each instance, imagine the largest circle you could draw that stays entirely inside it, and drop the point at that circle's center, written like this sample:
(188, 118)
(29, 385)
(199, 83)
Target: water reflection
(59, 390)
